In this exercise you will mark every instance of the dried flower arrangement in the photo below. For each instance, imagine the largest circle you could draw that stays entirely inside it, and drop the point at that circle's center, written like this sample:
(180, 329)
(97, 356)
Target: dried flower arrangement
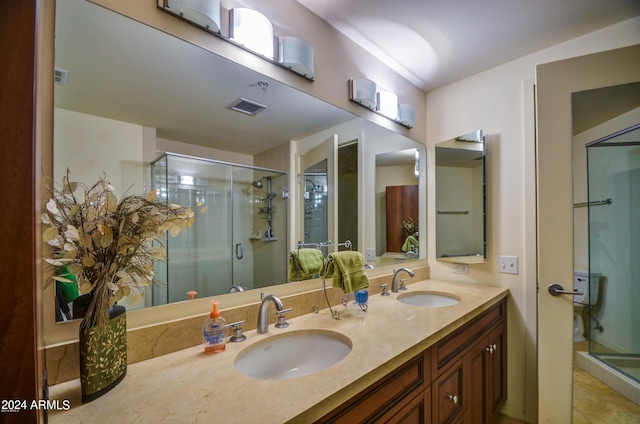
(410, 228)
(109, 245)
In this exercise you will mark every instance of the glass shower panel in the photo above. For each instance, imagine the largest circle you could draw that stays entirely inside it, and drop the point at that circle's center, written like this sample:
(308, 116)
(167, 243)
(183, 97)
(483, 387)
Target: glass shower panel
(614, 249)
(225, 248)
(265, 226)
(199, 259)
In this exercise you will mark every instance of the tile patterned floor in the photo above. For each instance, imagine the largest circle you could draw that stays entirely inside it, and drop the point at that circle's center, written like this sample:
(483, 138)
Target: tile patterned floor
(594, 402)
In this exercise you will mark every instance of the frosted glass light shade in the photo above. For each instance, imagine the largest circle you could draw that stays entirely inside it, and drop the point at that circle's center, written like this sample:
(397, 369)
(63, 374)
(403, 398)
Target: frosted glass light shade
(363, 91)
(407, 115)
(297, 54)
(205, 13)
(251, 29)
(387, 104)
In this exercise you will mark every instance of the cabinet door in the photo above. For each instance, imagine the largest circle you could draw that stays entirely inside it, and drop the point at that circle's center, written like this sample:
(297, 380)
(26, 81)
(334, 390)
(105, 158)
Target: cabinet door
(478, 370)
(448, 398)
(497, 371)
(417, 411)
(401, 204)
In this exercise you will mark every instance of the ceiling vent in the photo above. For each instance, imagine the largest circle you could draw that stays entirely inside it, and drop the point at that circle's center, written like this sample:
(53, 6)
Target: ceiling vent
(245, 106)
(60, 76)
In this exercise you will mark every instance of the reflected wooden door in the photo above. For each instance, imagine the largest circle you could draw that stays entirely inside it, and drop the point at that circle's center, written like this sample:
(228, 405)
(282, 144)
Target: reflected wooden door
(401, 204)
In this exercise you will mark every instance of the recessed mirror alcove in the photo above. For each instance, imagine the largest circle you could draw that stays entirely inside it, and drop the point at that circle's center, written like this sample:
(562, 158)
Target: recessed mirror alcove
(133, 93)
(461, 188)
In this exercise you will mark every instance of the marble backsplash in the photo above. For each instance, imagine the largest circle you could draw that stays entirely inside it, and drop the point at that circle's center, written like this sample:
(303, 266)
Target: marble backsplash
(156, 340)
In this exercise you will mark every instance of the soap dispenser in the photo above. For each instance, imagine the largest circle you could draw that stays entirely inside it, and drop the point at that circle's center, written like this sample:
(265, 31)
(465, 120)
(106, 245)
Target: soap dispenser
(213, 331)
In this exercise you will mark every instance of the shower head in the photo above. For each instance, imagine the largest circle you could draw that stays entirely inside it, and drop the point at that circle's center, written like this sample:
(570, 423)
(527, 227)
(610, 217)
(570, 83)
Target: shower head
(258, 183)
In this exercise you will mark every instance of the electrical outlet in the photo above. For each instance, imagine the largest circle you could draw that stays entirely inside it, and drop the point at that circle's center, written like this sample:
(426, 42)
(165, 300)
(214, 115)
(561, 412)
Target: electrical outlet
(371, 254)
(460, 268)
(508, 264)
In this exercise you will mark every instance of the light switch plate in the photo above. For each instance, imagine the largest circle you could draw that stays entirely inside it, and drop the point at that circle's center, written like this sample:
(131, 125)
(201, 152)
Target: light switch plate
(371, 254)
(460, 268)
(508, 264)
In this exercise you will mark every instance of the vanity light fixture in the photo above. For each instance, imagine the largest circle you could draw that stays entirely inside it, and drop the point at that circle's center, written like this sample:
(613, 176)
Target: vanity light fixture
(407, 115)
(363, 91)
(187, 180)
(387, 104)
(297, 54)
(247, 29)
(204, 13)
(252, 30)
(416, 168)
(366, 93)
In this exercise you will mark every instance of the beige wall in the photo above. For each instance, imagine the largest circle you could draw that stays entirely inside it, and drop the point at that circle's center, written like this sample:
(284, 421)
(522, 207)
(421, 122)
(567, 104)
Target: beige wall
(500, 101)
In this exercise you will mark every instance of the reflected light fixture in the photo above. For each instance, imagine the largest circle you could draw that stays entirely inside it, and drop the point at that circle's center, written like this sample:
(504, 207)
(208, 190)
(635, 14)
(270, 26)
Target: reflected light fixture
(416, 167)
(205, 13)
(187, 180)
(387, 104)
(407, 115)
(252, 30)
(363, 91)
(297, 54)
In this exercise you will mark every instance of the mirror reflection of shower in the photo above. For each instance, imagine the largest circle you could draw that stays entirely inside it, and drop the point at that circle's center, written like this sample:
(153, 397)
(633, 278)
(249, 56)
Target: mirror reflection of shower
(234, 245)
(315, 203)
(269, 209)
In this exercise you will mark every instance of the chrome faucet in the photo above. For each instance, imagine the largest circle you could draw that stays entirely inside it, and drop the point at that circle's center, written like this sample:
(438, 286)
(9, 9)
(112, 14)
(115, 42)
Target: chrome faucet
(263, 320)
(394, 282)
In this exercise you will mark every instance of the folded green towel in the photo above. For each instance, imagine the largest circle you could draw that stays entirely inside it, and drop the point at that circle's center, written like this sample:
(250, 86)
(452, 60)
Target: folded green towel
(410, 243)
(305, 263)
(347, 269)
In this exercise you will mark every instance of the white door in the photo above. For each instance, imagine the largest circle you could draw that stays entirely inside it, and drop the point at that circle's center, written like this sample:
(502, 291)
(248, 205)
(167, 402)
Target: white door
(554, 84)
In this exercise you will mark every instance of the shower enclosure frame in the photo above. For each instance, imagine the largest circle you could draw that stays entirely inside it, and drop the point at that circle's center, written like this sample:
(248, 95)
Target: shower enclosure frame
(615, 350)
(230, 195)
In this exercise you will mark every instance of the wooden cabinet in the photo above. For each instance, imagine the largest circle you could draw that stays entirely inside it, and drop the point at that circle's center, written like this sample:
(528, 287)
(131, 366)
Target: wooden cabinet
(449, 394)
(398, 397)
(401, 204)
(476, 354)
(460, 380)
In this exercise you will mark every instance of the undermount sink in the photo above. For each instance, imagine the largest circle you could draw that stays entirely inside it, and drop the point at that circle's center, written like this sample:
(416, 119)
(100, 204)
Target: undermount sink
(293, 354)
(429, 299)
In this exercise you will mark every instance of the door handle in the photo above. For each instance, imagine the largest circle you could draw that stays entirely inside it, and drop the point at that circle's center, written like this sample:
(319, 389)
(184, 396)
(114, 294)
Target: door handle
(556, 289)
(239, 251)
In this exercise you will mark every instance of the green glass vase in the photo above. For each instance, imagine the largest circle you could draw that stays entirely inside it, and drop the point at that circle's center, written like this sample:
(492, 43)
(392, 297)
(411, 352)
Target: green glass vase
(103, 356)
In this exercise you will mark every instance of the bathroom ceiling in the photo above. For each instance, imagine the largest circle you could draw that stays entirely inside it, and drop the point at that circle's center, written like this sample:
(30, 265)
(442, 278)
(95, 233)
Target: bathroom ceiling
(436, 42)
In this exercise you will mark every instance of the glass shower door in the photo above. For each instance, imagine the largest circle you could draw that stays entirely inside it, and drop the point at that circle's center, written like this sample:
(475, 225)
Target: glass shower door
(614, 249)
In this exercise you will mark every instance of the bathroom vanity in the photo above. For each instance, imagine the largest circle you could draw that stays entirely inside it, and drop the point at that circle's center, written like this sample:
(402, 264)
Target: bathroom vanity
(462, 378)
(407, 363)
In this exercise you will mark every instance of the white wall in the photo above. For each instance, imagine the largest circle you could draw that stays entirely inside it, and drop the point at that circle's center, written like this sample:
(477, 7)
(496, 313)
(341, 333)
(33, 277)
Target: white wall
(82, 142)
(500, 101)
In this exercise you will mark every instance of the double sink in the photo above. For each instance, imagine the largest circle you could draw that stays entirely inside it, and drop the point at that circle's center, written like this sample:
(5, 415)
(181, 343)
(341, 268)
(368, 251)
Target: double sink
(303, 352)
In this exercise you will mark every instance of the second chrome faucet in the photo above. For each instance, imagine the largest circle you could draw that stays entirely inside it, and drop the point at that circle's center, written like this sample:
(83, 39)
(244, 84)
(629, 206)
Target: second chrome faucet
(394, 282)
(263, 318)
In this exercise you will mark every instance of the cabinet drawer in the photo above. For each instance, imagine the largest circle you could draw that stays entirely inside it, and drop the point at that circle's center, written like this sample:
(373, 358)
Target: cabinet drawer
(447, 350)
(401, 385)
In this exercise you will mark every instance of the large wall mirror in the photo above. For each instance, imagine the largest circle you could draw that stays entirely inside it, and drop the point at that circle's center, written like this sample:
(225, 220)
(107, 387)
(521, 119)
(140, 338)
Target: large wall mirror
(127, 93)
(461, 199)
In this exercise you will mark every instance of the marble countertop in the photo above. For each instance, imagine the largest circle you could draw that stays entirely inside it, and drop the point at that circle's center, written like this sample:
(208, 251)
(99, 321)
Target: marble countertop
(189, 386)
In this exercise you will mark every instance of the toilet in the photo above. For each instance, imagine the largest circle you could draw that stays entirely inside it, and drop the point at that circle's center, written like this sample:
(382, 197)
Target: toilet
(583, 282)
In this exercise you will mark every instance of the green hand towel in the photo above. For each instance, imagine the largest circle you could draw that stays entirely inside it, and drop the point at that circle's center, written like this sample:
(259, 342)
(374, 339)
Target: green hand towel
(347, 269)
(410, 243)
(305, 263)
